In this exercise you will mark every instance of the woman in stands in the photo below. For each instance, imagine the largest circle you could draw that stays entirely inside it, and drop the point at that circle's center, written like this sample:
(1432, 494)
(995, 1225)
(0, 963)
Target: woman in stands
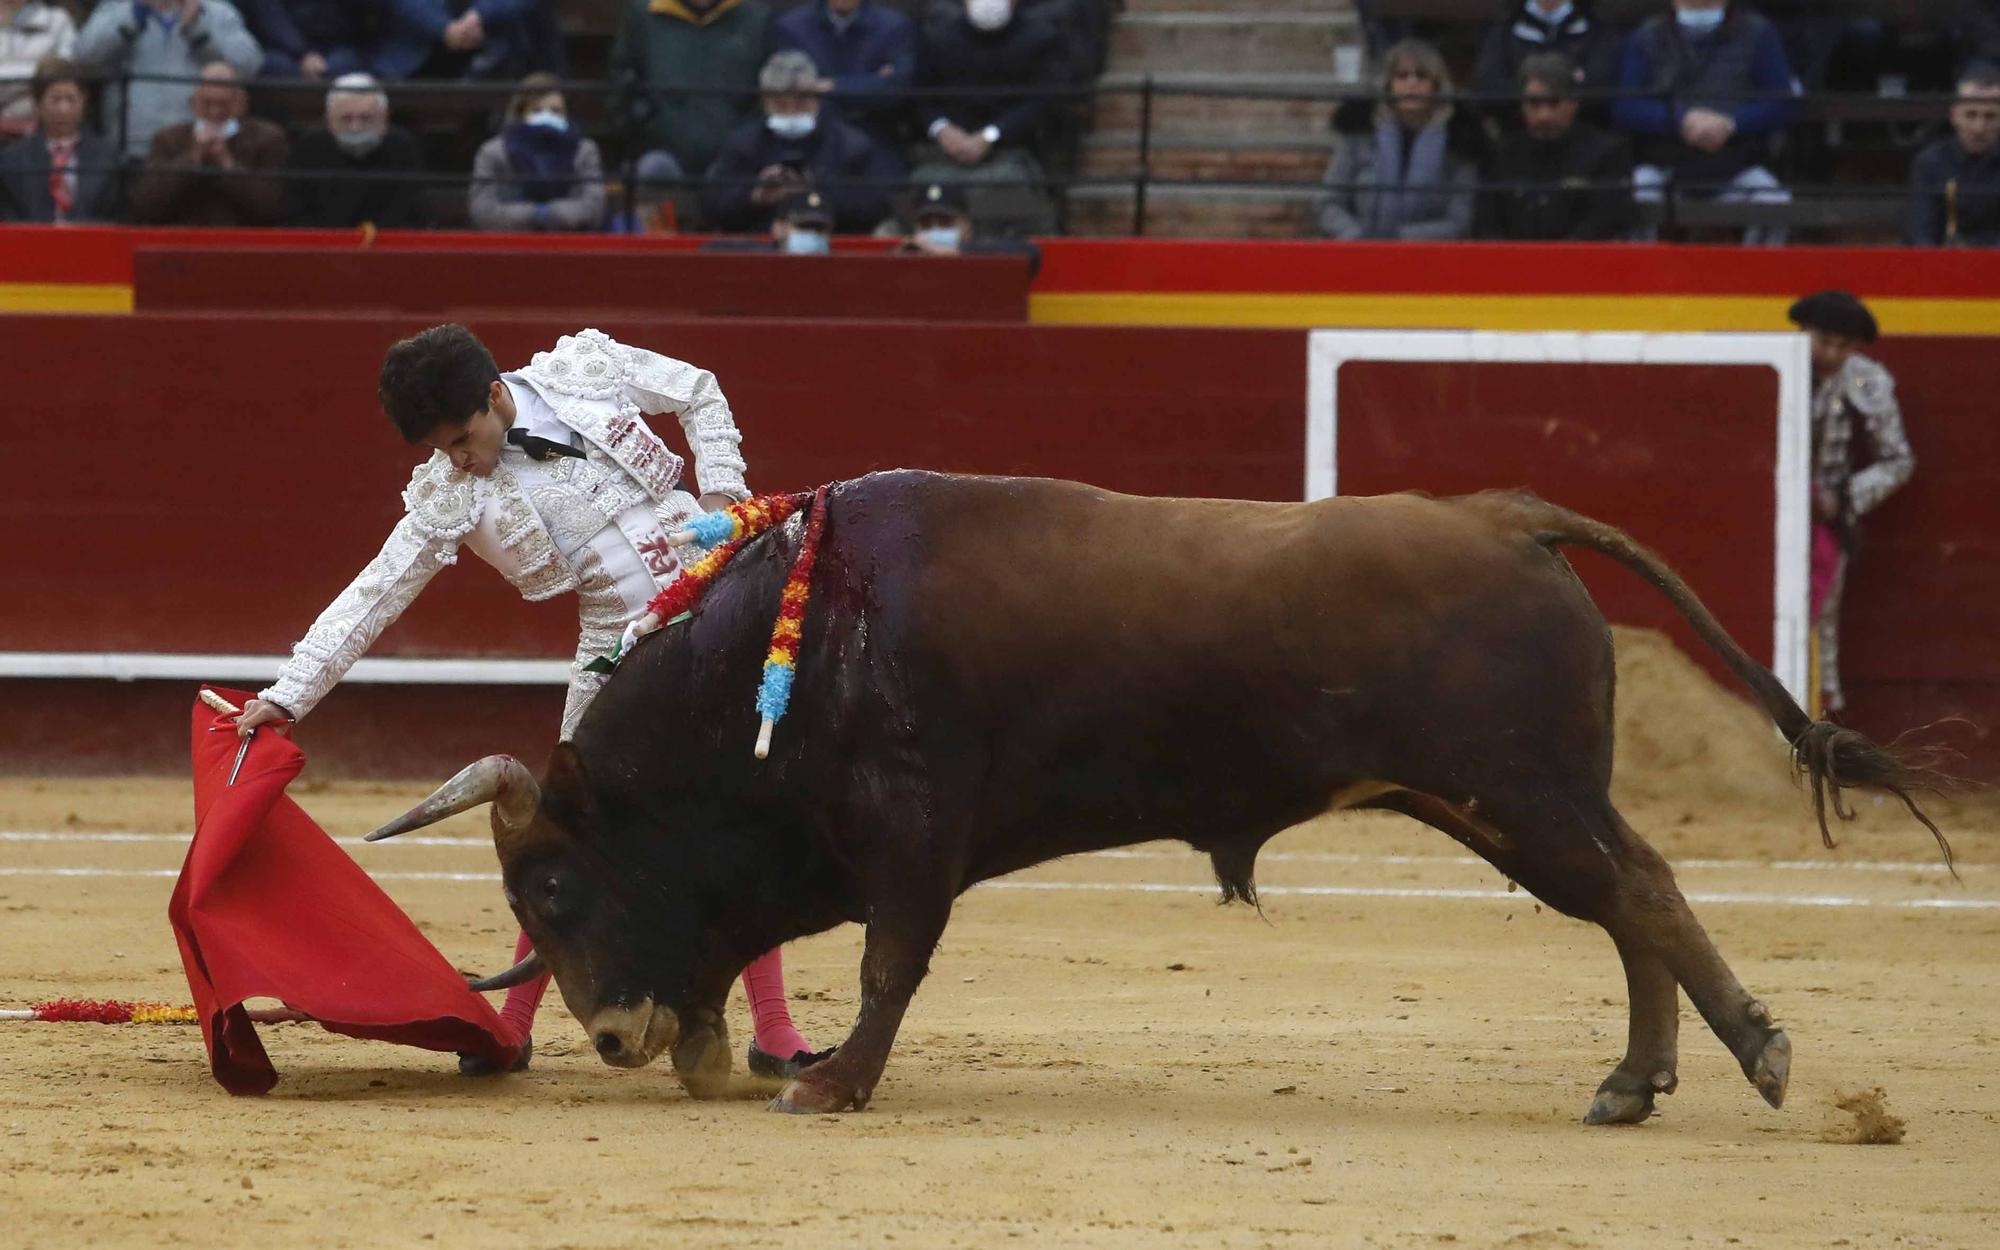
(1407, 167)
(538, 173)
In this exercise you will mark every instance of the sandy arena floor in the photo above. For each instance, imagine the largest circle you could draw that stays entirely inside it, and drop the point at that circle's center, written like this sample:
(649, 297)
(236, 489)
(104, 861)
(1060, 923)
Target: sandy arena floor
(1397, 1054)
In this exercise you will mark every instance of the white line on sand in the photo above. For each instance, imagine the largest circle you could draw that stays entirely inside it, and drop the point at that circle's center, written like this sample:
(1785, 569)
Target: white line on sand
(1162, 887)
(1269, 857)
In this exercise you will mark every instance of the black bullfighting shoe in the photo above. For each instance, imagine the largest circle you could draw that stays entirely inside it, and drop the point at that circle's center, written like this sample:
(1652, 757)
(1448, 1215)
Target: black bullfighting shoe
(480, 1065)
(764, 1063)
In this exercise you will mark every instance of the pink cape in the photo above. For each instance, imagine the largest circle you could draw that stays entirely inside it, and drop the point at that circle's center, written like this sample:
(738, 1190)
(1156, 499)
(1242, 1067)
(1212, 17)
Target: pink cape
(267, 906)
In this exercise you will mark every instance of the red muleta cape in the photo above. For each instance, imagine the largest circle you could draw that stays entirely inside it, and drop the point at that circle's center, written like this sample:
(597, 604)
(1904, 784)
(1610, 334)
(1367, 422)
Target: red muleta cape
(268, 906)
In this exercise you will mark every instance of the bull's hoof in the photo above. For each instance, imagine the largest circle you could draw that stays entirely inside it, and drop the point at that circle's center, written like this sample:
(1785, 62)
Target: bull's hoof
(806, 1096)
(1773, 1068)
(1619, 1106)
(701, 1063)
(1625, 1099)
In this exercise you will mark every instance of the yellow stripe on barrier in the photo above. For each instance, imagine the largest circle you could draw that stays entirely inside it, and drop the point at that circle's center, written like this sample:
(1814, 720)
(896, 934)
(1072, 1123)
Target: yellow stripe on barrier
(79, 297)
(1647, 313)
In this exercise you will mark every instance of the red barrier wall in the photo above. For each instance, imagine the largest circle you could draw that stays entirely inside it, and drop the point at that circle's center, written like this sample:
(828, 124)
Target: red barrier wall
(1684, 457)
(1921, 635)
(455, 284)
(244, 456)
(208, 482)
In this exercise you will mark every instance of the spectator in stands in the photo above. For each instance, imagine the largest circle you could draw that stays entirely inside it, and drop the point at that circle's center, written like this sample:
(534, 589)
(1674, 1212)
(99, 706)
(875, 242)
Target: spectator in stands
(29, 31)
(1860, 456)
(357, 169)
(942, 221)
(462, 39)
(1955, 182)
(1557, 177)
(58, 172)
(987, 136)
(868, 55)
(1407, 163)
(1570, 27)
(803, 227)
(538, 173)
(942, 226)
(221, 169)
(712, 50)
(165, 44)
(314, 39)
(795, 147)
(1708, 88)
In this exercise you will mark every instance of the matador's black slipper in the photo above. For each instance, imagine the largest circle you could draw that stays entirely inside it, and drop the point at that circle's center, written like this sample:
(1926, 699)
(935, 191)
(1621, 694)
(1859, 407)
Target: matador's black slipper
(480, 1065)
(764, 1063)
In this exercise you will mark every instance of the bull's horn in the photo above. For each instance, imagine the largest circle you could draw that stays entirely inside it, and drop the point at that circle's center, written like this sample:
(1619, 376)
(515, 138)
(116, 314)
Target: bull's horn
(527, 970)
(498, 779)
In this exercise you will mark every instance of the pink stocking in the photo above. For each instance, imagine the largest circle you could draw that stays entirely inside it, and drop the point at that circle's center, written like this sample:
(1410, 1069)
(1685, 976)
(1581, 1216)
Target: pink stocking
(518, 1013)
(764, 982)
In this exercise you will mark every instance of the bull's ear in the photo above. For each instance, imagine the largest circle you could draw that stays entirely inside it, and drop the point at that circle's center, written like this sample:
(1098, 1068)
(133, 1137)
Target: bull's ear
(568, 782)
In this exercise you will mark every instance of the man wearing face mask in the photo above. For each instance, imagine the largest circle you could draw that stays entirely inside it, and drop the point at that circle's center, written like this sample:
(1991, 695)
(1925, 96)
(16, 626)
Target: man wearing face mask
(357, 168)
(1707, 87)
(944, 227)
(221, 169)
(794, 147)
(986, 135)
(804, 225)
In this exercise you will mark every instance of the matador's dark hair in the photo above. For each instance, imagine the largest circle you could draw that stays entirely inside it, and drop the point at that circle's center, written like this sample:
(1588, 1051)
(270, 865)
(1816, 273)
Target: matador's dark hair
(439, 377)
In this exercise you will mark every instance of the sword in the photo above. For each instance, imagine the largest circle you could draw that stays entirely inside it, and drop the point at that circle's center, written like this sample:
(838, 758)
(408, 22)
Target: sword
(227, 708)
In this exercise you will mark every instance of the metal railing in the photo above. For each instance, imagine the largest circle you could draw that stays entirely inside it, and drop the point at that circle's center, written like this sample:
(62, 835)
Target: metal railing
(618, 115)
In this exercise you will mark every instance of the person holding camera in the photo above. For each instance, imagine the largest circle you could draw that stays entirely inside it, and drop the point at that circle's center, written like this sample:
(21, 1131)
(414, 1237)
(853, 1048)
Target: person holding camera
(795, 147)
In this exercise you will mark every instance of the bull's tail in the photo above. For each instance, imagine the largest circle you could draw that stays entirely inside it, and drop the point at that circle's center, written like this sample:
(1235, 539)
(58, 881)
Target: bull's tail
(1827, 758)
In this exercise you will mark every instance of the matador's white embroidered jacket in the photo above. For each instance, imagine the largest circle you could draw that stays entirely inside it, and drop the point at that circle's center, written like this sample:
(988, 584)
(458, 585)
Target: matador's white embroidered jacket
(533, 521)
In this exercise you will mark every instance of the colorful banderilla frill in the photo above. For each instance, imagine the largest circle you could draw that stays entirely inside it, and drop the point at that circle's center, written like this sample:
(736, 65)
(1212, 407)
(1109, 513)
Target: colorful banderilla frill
(117, 1011)
(724, 534)
(774, 693)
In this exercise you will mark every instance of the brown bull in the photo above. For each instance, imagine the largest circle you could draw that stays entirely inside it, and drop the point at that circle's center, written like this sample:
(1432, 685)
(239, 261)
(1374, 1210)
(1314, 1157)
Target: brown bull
(997, 672)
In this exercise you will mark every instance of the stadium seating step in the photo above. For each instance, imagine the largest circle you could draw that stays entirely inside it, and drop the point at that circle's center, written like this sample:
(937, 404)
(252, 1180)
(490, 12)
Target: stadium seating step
(1249, 103)
(1181, 211)
(1275, 156)
(1266, 41)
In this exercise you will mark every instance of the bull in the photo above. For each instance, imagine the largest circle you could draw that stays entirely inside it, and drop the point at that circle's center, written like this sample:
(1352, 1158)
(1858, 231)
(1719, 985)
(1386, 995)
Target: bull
(997, 672)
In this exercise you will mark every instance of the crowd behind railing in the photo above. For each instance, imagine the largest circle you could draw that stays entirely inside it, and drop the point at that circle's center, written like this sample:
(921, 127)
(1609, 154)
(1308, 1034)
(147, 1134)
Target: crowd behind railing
(845, 116)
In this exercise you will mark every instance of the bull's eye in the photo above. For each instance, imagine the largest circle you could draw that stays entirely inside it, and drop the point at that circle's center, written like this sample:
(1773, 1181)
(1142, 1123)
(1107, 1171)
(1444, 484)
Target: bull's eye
(552, 892)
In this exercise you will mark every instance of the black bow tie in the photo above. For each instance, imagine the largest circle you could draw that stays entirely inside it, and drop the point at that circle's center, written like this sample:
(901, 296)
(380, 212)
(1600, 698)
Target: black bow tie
(540, 448)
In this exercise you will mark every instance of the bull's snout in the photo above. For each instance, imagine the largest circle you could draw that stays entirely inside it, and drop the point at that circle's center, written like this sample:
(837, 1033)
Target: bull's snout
(632, 1036)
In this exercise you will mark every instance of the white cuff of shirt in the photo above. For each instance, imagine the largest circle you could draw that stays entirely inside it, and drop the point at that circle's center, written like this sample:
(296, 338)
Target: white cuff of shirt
(937, 127)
